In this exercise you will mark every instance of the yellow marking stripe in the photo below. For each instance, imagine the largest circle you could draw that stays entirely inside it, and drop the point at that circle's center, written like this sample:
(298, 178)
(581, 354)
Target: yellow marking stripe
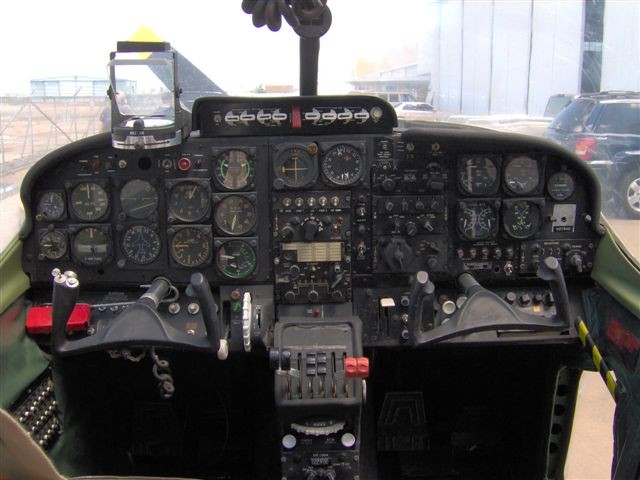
(583, 332)
(597, 358)
(610, 380)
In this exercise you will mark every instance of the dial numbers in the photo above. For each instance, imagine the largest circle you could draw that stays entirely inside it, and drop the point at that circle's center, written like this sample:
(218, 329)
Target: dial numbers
(234, 170)
(89, 201)
(478, 174)
(236, 259)
(189, 201)
(51, 206)
(191, 247)
(141, 244)
(138, 199)
(343, 165)
(53, 245)
(522, 175)
(522, 219)
(477, 220)
(235, 215)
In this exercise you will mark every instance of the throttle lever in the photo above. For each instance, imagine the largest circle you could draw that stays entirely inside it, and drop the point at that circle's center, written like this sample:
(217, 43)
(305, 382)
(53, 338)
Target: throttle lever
(421, 289)
(551, 271)
(65, 295)
(212, 322)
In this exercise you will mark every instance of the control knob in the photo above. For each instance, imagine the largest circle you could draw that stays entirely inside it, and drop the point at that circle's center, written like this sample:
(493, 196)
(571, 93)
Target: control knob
(311, 227)
(287, 232)
(398, 255)
(411, 229)
(388, 184)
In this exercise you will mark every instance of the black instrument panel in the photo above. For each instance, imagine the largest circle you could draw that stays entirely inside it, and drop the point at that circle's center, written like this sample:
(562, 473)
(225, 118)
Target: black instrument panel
(313, 215)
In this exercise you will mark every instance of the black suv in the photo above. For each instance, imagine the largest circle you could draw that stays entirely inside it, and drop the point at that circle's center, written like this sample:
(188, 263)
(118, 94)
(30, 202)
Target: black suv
(604, 130)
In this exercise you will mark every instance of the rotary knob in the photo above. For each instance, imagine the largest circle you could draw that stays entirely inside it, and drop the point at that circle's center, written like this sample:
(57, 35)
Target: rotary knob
(287, 232)
(313, 296)
(388, 184)
(311, 228)
(411, 229)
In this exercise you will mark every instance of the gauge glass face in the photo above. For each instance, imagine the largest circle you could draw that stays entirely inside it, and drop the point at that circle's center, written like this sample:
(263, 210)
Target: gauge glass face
(522, 175)
(294, 168)
(91, 246)
(53, 245)
(236, 259)
(235, 215)
(89, 201)
(138, 199)
(522, 219)
(51, 205)
(141, 244)
(477, 220)
(234, 170)
(343, 165)
(188, 201)
(191, 247)
(561, 186)
(477, 174)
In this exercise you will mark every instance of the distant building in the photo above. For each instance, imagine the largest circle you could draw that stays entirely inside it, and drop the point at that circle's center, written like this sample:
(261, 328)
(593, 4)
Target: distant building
(70, 86)
(404, 82)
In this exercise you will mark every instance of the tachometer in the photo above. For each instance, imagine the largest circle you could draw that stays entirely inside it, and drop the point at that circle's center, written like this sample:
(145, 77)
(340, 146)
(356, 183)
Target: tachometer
(189, 201)
(521, 219)
(191, 246)
(141, 244)
(235, 215)
(53, 245)
(91, 246)
(477, 220)
(236, 259)
(138, 199)
(478, 174)
(343, 165)
(522, 174)
(89, 201)
(294, 167)
(51, 205)
(234, 169)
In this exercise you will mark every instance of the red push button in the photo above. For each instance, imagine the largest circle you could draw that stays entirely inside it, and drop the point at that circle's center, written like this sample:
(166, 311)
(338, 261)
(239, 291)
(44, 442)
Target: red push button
(39, 319)
(356, 367)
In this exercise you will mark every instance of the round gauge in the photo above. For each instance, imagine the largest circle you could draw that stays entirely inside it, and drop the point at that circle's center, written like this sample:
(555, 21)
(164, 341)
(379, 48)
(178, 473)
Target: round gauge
(138, 199)
(234, 170)
(91, 246)
(188, 201)
(51, 205)
(522, 175)
(141, 244)
(560, 186)
(294, 168)
(53, 245)
(343, 165)
(191, 247)
(235, 215)
(521, 220)
(236, 259)
(89, 201)
(477, 174)
(477, 220)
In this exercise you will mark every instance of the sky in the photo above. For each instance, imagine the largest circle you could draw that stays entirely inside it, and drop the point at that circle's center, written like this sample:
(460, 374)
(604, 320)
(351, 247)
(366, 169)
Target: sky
(68, 37)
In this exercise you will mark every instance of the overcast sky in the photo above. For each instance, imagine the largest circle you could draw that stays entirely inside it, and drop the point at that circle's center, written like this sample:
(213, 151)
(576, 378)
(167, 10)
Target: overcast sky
(60, 38)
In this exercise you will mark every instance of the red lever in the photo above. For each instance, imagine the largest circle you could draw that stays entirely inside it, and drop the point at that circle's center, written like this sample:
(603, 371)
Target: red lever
(39, 319)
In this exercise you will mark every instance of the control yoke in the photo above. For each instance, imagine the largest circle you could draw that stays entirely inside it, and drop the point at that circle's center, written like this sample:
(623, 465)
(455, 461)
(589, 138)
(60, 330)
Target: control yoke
(139, 325)
(483, 310)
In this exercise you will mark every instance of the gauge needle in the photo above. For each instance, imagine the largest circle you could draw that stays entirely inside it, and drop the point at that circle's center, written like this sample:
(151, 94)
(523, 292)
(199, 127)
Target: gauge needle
(88, 192)
(227, 257)
(146, 205)
(192, 192)
(233, 222)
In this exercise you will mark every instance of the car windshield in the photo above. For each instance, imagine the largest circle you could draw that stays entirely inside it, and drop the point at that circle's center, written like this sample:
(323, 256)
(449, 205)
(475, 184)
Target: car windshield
(573, 118)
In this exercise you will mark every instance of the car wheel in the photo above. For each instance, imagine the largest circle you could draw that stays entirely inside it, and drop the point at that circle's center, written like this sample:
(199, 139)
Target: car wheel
(630, 193)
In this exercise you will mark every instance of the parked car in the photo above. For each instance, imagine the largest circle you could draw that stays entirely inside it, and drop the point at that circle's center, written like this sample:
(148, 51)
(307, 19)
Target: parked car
(556, 103)
(415, 112)
(604, 130)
